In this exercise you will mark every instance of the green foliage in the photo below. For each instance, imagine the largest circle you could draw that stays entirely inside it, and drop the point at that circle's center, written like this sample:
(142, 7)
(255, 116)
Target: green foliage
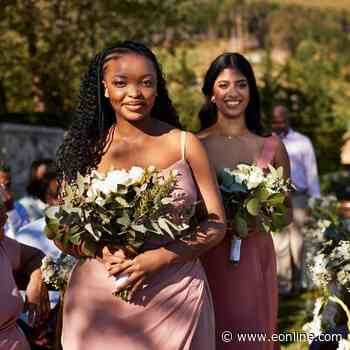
(313, 86)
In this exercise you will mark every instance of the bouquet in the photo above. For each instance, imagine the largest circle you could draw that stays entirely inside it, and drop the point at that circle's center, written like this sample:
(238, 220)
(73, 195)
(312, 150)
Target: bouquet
(56, 271)
(120, 209)
(253, 198)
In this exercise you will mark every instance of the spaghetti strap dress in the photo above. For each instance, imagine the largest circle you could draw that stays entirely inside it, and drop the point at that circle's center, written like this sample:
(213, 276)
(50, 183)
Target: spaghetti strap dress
(174, 312)
(245, 295)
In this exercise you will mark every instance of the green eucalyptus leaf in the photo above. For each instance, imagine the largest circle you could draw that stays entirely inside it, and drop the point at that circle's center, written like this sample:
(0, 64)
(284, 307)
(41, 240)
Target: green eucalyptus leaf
(276, 199)
(241, 226)
(80, 183)
(163, 225)
(89, 248)
(225, 178)
(253, 206)
(124, 220)
(263, 194)
(139, 228)
(51, 212)
(122, 202)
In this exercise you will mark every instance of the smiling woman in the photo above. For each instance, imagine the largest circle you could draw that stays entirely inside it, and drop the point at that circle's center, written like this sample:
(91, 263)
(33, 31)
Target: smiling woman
(124, 119)
(245, 295)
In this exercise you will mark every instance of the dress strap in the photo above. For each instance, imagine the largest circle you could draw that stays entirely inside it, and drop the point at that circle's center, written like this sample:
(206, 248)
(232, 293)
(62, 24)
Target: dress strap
(183, 144)
(268, 152)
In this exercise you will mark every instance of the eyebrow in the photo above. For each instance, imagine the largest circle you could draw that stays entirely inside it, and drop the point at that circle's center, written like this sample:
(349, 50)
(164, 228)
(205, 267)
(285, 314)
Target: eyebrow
(236, 81)
(125, 77)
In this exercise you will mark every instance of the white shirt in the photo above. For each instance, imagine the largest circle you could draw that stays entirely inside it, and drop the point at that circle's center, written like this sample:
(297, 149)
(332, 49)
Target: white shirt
(33, 235)
(16, 218)
(303, 162)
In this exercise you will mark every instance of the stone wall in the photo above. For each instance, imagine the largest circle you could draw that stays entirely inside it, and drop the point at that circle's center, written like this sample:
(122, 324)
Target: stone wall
(21, 144)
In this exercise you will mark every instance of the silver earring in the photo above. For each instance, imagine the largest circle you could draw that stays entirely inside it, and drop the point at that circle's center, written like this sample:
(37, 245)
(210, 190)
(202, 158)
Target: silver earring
(106, 93)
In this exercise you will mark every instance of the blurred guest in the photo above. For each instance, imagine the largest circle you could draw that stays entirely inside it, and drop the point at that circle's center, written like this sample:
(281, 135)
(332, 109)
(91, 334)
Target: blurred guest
(33, 233)
(19, 261)
(289, 244)
(16, 213)
(35, 190)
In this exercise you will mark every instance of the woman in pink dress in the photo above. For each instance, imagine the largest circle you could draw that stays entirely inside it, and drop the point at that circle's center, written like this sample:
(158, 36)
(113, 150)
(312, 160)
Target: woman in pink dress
(245, 296)
(125, 118)
(19, 259)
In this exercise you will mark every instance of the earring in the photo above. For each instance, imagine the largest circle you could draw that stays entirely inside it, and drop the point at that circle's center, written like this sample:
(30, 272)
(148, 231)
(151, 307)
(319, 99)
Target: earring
(106, 93)
(212, 99)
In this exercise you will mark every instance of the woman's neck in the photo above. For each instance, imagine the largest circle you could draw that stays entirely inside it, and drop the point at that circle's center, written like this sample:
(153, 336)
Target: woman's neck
(231, 127)
(134, 130)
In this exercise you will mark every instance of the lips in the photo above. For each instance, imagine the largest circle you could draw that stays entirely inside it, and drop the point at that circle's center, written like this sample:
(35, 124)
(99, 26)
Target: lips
(232, 103)
(134, 106)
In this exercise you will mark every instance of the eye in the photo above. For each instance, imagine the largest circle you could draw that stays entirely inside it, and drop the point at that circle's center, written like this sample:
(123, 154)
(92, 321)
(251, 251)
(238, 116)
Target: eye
(119, 83)
(223, 85)
(148, 83)
(242, 84)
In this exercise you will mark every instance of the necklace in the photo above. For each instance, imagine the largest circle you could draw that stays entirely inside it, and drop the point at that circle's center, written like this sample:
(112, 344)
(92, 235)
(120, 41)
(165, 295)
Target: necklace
(238, 136)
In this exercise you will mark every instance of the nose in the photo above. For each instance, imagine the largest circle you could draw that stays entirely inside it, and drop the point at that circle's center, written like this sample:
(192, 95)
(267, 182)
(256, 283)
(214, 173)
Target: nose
(134, 90)
(233, 91)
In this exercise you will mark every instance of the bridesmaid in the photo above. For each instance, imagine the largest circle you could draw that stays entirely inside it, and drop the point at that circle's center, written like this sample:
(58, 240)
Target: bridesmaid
(125, 118)
(245, 296)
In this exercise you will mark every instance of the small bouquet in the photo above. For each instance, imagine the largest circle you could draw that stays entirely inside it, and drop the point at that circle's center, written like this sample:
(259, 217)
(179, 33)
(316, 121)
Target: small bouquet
(253, 198)
(56, 271)
(121, 209)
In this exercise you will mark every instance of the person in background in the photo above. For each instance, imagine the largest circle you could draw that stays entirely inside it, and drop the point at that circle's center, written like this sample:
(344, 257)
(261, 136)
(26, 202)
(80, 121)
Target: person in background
(289, 244)
(16, 213)
(33, 233)
(19, 262)
(32, 202)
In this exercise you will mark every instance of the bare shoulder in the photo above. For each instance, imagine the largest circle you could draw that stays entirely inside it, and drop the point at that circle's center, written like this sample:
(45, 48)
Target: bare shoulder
(205, 134)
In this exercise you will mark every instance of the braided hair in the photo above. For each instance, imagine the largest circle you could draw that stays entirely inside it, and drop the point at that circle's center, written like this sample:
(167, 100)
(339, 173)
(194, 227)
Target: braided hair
(85, 141)
(208, 113)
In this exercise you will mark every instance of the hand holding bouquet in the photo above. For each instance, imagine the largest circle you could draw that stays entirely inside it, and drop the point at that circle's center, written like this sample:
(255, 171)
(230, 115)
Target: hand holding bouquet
(120, 209)
(253, 198)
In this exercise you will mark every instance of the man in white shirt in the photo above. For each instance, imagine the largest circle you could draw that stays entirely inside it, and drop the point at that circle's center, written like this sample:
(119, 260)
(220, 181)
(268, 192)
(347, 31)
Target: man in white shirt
(290, 243)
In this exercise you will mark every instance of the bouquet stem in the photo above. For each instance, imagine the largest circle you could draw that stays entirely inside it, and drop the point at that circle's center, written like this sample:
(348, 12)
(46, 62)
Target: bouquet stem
(235, 250)
(118, 281)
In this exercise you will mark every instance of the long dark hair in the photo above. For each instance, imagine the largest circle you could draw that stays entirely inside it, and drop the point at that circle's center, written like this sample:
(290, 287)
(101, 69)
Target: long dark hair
(208, 113)
(86, 139)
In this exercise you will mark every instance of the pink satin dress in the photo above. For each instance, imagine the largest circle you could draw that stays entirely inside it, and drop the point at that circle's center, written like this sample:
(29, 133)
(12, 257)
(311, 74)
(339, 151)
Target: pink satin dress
(173, 312)
(11, 302)
(245, 296)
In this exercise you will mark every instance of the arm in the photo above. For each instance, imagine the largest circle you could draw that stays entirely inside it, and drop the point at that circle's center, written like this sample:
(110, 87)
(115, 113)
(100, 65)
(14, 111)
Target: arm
(37, 302)
(212, 227)
(282, 159)
(209, 232)
(310, 164)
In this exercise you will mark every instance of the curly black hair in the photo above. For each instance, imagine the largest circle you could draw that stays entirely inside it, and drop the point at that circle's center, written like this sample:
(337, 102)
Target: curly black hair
(86, 139)
(208, 113)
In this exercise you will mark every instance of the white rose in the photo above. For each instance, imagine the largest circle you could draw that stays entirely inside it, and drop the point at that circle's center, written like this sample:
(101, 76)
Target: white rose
(115, 178)
(136, 174)
(255, 179)
(98, 186)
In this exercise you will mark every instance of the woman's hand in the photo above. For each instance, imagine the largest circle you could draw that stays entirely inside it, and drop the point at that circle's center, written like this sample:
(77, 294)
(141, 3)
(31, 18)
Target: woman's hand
(37, 300)
(139, 269)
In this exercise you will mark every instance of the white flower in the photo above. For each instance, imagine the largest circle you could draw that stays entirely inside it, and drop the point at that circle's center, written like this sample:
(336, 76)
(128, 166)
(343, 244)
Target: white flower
(117, 177)
(136, 174)
(255, 179)
(314, 327)
(320, 275)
